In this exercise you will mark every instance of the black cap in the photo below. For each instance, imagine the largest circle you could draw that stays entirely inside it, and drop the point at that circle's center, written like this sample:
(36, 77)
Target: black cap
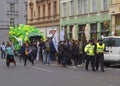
(91, 41)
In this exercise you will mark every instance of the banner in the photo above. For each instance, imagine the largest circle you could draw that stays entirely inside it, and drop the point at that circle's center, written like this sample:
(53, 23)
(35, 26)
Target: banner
(19, 40)
(87, 32)
(55, 41)
(62, 34)
(75, 33)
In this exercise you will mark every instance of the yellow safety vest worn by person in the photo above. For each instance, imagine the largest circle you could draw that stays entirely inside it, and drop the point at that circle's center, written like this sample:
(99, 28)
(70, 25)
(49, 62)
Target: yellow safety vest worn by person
(89, 49)
(100, 48)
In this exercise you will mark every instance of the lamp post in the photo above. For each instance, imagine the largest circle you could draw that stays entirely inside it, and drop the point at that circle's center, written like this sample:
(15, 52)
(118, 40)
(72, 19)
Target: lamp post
(53, 15)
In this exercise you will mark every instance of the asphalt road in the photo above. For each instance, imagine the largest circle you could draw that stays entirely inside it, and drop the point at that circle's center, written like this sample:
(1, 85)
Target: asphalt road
(54, 75)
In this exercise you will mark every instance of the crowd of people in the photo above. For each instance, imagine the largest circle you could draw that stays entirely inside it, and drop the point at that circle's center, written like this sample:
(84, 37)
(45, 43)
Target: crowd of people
(70, 52)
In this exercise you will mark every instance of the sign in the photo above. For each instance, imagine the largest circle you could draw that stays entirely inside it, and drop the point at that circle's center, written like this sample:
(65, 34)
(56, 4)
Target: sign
(51, 32)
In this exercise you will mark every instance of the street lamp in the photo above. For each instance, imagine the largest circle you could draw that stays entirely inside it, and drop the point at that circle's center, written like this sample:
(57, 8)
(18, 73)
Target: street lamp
(53, 14)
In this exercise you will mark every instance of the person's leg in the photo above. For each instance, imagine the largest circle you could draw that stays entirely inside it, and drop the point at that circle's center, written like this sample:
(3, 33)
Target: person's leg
(48, 58)
(44, 58)
(4, 54)
(97, 62)
(7, 61)
(102, 62)
(25, 60)
(87, 62)
(92, 63)
(80, 60)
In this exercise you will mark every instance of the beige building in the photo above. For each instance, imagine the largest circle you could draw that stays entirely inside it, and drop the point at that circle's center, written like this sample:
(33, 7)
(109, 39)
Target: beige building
(44, 14)
(115, 15)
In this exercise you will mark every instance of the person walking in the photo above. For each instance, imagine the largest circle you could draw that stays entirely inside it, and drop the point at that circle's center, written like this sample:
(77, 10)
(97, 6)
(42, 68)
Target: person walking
(75, 53)
(10, 55)
(89, 50)
(65, 54)
(2, 48)
(100, 48)
(46, 53)
(28, 55)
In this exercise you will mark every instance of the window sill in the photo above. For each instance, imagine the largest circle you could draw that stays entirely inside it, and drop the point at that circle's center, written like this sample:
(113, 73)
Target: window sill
(82, 14)
(71, 16)
(93, 12)
(102, 11)
(63, 17)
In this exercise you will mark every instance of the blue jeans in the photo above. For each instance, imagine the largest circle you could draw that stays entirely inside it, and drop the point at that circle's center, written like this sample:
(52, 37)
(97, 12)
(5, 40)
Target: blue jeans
(3, 54)
(46, 58)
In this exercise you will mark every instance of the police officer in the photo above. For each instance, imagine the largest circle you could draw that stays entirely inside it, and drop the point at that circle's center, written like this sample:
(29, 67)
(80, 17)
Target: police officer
(89, 50)
(100, 48)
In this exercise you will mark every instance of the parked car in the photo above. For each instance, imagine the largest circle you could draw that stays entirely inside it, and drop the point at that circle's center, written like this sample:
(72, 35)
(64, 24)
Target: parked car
(112, 53)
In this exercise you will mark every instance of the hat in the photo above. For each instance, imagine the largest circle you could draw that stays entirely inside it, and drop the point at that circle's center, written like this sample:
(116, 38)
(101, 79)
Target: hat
(100, 40)
(91, 40)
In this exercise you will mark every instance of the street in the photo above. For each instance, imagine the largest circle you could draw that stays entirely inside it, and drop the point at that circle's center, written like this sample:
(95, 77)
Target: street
(55, 75)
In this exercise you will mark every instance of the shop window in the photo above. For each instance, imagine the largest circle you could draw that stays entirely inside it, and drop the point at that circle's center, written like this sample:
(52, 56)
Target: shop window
(81, 33)
(70, 32)
(93, 27)
(104, 31)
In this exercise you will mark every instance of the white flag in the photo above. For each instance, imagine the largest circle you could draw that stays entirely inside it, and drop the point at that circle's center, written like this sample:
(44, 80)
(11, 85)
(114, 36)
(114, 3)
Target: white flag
(87, 32)
(75, 33)
(19, 40)
(55, 41)
(62, 34)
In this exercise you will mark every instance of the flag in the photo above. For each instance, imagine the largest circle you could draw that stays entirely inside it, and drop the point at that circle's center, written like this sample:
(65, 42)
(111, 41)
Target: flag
(19, 40)
(62, 34)
(55, 41)
(75, 33)
(87, 32)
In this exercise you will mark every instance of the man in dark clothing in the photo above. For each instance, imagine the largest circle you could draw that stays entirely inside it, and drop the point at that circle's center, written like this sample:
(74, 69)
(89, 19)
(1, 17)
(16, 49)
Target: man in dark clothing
(65, 53)
(60, 53)
(22, 52)
(75, 53)
(99, 50)
(52, 51)
(40, 51)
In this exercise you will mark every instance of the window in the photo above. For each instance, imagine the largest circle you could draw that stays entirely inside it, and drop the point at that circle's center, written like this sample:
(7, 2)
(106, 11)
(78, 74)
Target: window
(38, 11)
(71, 8)
(12, 21)
(93, 27)
(55, 8)
(64, 10)
(81, 33)
(44, 10)
(93, 6)
(12, 7)
(31, 13)
(104, 5)
(34, 13)
(85, 6)
(49, 9)
(112, 42)
(79, 6)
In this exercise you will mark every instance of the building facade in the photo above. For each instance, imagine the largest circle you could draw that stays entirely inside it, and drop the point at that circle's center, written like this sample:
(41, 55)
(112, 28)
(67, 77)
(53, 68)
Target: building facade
(115, 15)
(79, 13)
(12, 12)
(44, 14)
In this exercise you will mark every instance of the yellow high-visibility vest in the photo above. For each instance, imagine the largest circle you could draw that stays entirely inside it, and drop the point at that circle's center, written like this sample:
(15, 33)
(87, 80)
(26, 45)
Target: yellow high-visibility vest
(100, 48)
(89, 49)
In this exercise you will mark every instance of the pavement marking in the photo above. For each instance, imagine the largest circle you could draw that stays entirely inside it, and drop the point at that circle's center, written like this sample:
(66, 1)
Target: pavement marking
(41, 69)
